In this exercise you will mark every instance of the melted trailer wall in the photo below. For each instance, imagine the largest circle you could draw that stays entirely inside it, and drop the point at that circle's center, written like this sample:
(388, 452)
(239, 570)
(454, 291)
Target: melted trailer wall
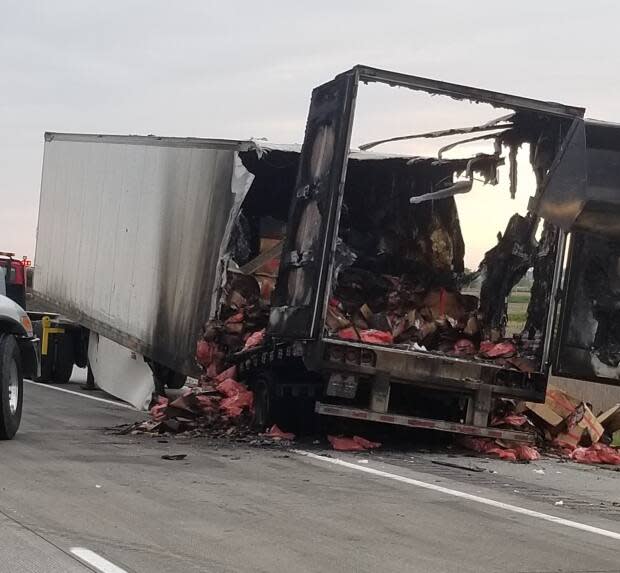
(590, 344)
(128, 237)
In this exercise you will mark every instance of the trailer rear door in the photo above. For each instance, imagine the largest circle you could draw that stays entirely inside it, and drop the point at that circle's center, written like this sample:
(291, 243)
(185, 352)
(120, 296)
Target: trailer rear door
(297, 308)
(303, 269)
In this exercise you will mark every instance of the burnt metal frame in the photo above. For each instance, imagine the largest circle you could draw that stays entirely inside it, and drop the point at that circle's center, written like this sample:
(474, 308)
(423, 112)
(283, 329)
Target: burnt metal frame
(568, 298)
(367, 75)
(426, 423)
(433, 370)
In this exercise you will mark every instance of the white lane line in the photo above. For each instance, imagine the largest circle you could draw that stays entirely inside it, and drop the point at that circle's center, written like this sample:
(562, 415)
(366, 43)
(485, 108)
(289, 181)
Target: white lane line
(463, 495)
(96, 560)
(119, 404)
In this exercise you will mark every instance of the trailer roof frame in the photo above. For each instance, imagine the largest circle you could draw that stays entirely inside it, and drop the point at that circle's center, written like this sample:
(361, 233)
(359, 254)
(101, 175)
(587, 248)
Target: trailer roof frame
(368, 74)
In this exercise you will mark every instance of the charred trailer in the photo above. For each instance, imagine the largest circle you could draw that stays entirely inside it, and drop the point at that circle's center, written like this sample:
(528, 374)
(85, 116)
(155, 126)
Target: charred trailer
(131, 245)
(374, 312)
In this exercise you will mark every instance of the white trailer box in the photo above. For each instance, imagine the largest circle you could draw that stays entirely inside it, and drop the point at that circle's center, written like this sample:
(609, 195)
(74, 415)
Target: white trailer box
(129, 235)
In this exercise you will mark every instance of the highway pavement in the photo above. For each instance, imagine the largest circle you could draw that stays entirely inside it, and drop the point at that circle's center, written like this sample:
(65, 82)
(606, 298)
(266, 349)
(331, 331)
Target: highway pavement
(75, 496)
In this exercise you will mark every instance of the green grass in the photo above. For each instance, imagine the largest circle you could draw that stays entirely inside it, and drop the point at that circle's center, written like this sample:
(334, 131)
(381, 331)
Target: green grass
(519, 298)
(517, 317)
(516, 322)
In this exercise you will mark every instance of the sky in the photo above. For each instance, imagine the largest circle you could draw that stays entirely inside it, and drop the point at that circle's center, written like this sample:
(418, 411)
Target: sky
(246, 69)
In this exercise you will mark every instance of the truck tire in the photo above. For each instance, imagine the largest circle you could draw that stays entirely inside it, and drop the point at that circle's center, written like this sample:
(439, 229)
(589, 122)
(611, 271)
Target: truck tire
(11, 387)
(175, 380)
(264, 405)
(80, 339)
(62, 367)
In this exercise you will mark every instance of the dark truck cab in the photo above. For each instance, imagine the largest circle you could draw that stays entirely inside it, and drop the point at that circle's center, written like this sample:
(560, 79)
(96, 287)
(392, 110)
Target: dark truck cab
(574, 200)
(60, 342)
(19, 346)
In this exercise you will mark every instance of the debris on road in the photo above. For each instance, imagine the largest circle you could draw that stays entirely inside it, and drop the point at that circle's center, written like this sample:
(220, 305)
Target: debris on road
(354, 444)
(562, 425)
(501, 449)
(610, 419)
(174, 457)
(218, 406)
(596, 454)
(458, 466)
(277, 434)
(568, 425)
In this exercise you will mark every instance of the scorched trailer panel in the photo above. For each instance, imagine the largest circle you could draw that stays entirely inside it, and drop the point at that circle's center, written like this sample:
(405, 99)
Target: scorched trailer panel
(129, 233)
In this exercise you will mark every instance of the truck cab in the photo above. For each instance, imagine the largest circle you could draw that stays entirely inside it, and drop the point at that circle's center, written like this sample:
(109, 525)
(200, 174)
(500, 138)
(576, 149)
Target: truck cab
(19, 347)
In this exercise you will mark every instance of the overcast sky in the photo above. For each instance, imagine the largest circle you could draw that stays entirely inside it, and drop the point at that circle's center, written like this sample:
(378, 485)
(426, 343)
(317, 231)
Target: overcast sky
(246, 69)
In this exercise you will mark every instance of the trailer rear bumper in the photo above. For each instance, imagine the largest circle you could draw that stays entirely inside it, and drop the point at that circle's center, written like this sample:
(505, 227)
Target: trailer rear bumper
(431, 370)
(425, 423)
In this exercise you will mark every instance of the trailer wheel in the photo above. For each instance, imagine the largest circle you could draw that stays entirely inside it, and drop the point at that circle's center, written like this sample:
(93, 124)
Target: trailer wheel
(62, 367)
(175, 380)
(11, 387)
(80, 339)
(263, 402)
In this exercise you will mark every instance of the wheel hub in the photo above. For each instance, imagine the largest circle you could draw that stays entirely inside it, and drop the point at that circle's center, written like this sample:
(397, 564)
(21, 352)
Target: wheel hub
(13, 388)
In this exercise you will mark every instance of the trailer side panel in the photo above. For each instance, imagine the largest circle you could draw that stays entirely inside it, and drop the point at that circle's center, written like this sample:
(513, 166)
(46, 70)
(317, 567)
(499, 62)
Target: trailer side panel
(129, 235)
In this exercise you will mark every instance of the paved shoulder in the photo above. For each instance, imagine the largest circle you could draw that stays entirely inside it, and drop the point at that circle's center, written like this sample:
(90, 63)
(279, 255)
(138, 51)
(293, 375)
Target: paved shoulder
(25, 551)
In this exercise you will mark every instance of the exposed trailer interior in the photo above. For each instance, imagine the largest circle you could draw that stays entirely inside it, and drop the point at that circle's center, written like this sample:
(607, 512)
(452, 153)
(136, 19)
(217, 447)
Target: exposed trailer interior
(373, 276)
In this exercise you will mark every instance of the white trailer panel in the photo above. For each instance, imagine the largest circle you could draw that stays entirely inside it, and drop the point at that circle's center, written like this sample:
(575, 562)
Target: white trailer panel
(129, 236)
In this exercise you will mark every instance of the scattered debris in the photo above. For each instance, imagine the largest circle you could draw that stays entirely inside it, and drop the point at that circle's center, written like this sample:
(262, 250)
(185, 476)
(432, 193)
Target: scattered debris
(556, 407)
(569, 425)
(560, 502)
(217, 405)
(255, 339)
(564, 427)
(458, 466)
(511, 420)
(499, 448)
(174, 457)
(277, 434)
(610, 420)
(354, 444)
(539, 471)
(596, 454)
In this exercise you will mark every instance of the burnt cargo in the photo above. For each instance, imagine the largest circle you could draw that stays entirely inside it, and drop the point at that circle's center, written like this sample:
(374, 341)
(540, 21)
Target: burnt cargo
(373, 300)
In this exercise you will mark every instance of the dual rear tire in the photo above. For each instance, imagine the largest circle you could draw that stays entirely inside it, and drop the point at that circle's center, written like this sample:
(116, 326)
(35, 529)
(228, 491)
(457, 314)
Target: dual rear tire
(11, 387)
(57, 365)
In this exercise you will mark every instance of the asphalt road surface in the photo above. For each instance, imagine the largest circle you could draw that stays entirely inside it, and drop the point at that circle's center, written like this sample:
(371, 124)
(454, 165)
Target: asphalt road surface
(77, 498)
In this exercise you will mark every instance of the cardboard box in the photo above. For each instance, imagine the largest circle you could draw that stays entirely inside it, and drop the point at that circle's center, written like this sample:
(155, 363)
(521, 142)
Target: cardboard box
(610, 420)
(558, 406)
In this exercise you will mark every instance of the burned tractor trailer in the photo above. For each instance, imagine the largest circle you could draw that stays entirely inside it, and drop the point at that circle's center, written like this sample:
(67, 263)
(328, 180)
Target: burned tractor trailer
(338, 276)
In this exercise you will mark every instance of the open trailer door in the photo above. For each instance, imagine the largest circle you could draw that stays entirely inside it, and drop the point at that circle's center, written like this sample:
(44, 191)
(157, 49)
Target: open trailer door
(303, 270)
(307, 261)
(589, 328)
